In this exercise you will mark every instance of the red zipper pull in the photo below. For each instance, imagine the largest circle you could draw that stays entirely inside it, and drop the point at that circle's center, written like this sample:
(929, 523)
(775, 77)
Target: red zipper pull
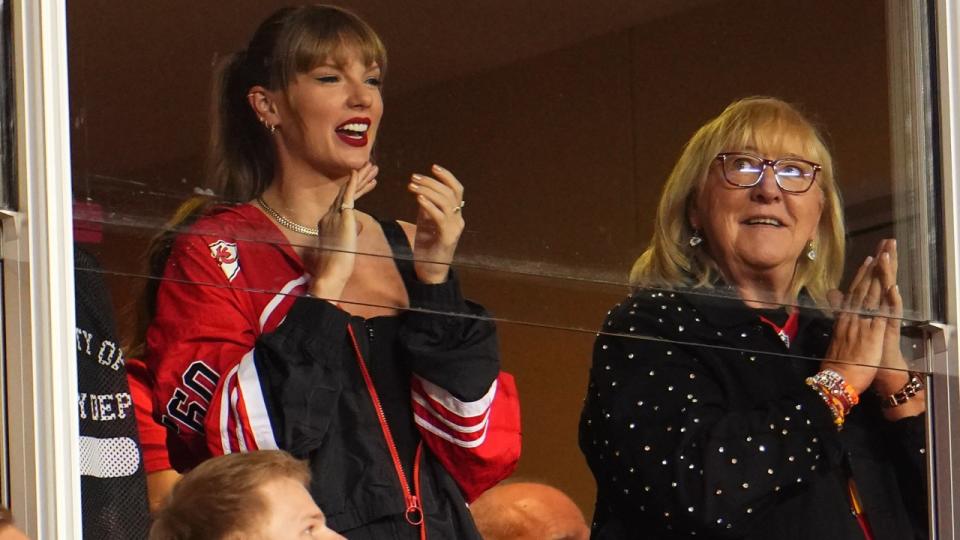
(414, 513)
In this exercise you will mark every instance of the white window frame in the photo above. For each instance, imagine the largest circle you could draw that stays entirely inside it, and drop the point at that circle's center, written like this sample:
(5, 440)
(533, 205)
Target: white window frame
(945, 403)
(37, 250)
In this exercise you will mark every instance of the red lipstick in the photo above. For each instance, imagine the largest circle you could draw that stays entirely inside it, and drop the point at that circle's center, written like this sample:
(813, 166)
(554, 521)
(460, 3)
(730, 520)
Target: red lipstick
(354, 131)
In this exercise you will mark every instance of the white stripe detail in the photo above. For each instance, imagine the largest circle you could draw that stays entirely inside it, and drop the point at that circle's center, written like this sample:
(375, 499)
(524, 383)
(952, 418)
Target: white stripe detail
(446, 436)
(225, 412)
(241, 440)
(277, 298)
(456, 427)
(257, 416)
(114, 457)
(454, 405)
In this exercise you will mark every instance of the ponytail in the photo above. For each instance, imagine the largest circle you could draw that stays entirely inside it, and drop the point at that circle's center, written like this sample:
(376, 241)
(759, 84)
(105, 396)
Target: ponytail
(155, 263)
(240, 161)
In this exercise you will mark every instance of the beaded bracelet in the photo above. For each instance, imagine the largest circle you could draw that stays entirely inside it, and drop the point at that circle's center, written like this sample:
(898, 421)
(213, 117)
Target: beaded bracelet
(835, 409)
(913, 387)
(836, 392)
(837, 386)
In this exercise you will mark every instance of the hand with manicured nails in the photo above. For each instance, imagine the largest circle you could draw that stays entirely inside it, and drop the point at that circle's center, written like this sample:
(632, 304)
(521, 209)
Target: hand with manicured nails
(893, 373)
(332, 264)
(887, 276)
(860, 327)
(439, 223)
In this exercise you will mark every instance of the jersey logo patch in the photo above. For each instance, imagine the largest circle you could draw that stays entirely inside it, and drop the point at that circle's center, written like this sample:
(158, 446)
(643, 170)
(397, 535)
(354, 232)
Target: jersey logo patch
(226, 255)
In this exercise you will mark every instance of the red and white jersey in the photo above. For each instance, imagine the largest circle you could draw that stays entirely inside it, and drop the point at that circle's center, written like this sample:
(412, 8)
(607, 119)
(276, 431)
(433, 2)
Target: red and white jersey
(234, 277)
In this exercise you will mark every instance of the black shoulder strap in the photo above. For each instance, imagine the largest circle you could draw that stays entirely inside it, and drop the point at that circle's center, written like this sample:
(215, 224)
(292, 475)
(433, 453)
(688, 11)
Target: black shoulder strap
(402, 252)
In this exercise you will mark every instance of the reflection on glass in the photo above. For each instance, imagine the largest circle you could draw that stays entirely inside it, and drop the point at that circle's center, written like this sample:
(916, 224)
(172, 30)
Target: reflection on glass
(563, 175)
(708, 429)
(562, 135)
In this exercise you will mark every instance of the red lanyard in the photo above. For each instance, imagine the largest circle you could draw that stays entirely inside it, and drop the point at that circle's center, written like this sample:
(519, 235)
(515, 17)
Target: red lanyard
(857, 509)
(788, 331)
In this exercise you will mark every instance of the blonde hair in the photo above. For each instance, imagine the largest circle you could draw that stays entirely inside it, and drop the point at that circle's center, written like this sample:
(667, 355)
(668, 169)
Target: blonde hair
(669, 261)
(222, 495)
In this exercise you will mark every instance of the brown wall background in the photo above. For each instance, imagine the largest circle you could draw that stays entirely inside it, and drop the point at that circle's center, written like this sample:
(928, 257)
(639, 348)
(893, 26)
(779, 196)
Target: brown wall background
(562, 118)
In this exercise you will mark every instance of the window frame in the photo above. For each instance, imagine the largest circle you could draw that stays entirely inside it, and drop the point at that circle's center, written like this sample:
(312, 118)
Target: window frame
(38, 298)
(944, 420)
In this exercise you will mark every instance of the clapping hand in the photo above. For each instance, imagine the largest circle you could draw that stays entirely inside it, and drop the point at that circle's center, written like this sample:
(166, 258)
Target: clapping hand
(893, 374)
(439, 223)
(887, 270)
(332, 264)
(858, 332)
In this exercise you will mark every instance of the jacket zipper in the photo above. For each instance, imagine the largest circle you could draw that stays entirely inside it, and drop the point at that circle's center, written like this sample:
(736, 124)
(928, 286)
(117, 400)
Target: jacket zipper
(414, 512)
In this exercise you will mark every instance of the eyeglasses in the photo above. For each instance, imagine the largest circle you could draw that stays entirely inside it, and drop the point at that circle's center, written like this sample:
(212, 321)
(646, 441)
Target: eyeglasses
(745, 170)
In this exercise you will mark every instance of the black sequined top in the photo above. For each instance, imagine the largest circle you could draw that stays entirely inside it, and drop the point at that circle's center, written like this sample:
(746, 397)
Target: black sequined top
(698, 423)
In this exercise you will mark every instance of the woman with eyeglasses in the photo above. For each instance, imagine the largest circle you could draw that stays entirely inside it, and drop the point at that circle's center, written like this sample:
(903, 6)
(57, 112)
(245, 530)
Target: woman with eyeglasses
(290, 319)
(723, 401)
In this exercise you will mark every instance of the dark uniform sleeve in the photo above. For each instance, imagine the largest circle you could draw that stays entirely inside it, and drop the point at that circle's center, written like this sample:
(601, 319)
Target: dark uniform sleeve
(112, 484)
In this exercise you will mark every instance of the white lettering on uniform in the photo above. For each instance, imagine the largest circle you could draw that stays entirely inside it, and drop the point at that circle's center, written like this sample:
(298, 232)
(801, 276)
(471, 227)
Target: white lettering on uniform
(123, 404)
(105, 402)
(105, 407)
(82, 401)
(114, 357)
(120, 360)
(103, 347)
(94, 408)
(87, 337)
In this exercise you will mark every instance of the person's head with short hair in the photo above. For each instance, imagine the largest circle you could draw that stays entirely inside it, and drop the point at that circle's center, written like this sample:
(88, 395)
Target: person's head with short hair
(248, 496)
(528, 511)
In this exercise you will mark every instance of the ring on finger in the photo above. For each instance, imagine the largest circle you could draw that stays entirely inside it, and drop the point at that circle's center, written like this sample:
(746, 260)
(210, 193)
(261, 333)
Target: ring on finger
(459, 207)
(346, 206)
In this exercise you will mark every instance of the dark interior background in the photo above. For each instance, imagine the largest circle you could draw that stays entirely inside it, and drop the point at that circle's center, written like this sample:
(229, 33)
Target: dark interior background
(562, 118)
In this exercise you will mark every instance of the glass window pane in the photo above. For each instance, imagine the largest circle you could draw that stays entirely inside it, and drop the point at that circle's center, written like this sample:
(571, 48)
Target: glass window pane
(564, 126)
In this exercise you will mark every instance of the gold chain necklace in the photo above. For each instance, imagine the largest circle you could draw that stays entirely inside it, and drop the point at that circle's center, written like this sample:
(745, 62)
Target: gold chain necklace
(284, 222)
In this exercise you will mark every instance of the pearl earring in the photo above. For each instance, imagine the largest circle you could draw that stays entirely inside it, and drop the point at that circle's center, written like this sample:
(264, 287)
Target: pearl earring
(811, 251)
(695, 239)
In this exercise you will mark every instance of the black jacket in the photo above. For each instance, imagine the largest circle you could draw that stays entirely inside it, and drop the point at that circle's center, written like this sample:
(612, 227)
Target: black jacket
(321, 410)
(307, 364)
(698, 422)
